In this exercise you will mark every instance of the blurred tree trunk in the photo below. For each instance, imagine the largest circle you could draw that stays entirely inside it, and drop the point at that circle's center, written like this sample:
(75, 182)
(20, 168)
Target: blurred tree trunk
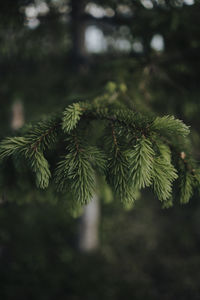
(89, 222)
(17, 120)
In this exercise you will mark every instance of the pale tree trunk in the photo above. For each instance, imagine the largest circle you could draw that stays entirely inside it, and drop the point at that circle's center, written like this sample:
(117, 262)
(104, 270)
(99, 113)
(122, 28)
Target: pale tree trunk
(89, 225)
(89, 222)
(17, 120)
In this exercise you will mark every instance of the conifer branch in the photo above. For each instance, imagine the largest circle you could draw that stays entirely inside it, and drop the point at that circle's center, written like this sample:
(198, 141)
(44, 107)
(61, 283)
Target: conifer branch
(40, 167)
(168, 125)
(71, 116)
(163, 177)
(141, 163)
(75, 171)
(44, 134)
(186, 187)
(12, 145)
(135, 152)
(118, 168)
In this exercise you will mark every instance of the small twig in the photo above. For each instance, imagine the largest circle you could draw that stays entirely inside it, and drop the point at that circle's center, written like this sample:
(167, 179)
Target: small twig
(114, 138)
(34, 146)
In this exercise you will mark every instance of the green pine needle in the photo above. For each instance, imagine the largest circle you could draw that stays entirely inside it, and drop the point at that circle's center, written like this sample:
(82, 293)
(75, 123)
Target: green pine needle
(186, 186)
(163, 176)
(12, 145)
(71, 117)
(76, 173)
(44, 134)
(127, 169)
(164, 173)
(118, 177)
(168, 125)
(141, 163)
(40, 167)
(97, 158)
(75, 170)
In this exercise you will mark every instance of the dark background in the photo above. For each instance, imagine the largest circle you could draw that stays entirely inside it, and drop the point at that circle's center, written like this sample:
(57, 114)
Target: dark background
(152, 46)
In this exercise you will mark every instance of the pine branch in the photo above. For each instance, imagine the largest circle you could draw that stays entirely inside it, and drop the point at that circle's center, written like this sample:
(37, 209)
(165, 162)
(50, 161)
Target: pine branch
(40, 167)
(141, 163)
(43, 134)
(168, 125)
(31, 147)
(71, 117)
(164, 173)
(118, 169)
(12, 145)
(75, 171)
(97, 158)
(135, 151)
(186, 187)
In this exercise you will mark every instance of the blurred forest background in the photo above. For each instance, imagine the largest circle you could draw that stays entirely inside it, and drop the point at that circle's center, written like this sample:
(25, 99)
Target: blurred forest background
(54, 52)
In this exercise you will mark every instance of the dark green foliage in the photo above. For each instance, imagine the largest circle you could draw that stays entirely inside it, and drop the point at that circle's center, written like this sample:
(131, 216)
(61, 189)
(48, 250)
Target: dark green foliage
(40, 167)
(186, 186)
(41, 136)
(168, 125)
(141, 159)
(135, 151)
(145, 253)
(10, 146)
(118, 169)
(75, 171)
(71, 116)
(164, 174)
